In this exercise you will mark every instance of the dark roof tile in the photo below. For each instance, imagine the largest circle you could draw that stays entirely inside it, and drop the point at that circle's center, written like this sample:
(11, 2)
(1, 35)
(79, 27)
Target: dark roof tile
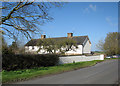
(78, 39)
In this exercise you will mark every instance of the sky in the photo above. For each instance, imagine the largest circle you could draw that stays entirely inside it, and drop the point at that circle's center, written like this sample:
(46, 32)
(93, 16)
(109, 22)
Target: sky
(84, 18)
(94, 19)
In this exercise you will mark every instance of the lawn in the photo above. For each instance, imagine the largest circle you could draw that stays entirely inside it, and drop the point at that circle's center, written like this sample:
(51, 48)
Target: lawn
(19, 75)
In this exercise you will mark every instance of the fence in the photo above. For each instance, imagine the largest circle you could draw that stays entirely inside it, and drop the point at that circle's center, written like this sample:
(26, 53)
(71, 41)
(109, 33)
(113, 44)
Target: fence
(71, 59)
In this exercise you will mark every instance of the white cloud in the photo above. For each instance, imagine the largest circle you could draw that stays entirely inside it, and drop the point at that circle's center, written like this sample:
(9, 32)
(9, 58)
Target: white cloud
(110, 21)
(90, 8)
(93, 7)
(86, 10)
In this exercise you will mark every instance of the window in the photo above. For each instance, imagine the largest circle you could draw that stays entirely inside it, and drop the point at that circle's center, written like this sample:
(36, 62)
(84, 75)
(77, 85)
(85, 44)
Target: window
(27, 48)
(32, 47)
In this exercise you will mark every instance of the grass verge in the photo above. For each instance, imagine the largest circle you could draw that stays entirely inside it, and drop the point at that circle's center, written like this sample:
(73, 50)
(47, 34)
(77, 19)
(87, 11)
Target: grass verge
(25, 74)
(111, 58)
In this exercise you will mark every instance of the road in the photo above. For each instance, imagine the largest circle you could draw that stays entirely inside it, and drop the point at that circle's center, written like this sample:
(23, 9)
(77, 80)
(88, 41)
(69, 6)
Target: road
(102, 73)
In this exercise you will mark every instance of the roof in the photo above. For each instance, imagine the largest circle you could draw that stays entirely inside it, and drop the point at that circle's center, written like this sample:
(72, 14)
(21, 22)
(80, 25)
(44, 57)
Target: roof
(79, 39)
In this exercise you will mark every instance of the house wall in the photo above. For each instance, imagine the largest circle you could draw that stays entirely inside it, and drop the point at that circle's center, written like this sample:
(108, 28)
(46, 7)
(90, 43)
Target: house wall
(42, 51)
(87, 47)
(77, 51)
(31, 48)
(34, 49)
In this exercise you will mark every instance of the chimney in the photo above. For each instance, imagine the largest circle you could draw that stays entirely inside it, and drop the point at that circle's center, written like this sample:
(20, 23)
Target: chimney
(70, 35)
(43, 36)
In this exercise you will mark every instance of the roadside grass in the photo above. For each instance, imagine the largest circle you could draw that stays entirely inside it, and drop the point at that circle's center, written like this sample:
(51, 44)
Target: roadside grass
(111, 58)
(25, 74)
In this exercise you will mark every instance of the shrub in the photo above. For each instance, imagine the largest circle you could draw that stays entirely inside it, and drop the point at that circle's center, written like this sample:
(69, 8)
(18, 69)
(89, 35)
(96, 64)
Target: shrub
(6, 50)
(27, 61)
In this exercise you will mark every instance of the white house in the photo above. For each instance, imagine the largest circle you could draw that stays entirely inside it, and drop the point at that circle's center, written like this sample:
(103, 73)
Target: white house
(83, 42)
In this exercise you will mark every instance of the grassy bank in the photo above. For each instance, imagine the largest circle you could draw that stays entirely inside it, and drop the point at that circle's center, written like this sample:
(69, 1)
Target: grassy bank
(13, 76)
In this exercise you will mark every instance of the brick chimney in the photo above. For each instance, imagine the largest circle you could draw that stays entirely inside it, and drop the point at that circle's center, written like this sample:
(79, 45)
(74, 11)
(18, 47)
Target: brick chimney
(69, 35)
(43, 36)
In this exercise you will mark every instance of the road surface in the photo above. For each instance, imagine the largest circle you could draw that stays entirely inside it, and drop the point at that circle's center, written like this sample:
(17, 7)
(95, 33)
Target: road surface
(102, 73)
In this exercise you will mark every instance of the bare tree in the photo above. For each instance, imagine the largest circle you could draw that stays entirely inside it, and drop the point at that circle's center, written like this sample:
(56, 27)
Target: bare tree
(100, 45)
(111, 44)
(24, 18)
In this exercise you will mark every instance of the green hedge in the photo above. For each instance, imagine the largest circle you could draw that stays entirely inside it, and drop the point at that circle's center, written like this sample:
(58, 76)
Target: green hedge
(25, 61)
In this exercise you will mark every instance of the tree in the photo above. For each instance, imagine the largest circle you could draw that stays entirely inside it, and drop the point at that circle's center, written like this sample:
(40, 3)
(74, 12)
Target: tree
(49, 45)
(24, 18)
(100, 45)
(66, 45)
(111, 44)
(57, 46)
(14, 47)
(5, 49)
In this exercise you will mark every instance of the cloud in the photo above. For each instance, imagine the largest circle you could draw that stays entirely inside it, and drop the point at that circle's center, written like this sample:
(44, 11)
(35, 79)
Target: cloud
(90, 8)
(93, 7)
(108, 19)
(111, 21)
(86, 10)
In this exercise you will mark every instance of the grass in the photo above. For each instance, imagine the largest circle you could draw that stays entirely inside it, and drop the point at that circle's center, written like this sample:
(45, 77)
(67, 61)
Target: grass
(25, 74)
(111, 58)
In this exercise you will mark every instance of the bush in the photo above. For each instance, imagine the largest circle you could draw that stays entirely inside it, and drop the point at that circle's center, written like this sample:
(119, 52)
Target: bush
(27, 61)
(6, 50)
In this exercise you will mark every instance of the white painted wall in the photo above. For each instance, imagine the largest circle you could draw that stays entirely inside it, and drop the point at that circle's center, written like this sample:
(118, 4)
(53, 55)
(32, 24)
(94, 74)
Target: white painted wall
(42, 51)
(71, 59)
(35, 49)
(87, 47)
(31, 48)
(77, 51)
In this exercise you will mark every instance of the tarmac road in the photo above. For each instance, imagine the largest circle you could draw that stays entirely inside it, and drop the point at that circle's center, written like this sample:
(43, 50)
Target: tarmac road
(102, 73)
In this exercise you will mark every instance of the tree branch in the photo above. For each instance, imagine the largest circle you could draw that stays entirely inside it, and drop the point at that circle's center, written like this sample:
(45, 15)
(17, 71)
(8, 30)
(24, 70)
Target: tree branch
(9, 15)
(9, 32)
(15, 9)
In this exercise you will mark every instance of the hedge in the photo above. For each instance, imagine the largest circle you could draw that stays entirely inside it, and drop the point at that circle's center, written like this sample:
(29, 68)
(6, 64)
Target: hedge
(27, 61)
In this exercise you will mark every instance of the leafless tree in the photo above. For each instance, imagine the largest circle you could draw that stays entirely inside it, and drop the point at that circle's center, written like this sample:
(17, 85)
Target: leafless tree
(24, 18)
